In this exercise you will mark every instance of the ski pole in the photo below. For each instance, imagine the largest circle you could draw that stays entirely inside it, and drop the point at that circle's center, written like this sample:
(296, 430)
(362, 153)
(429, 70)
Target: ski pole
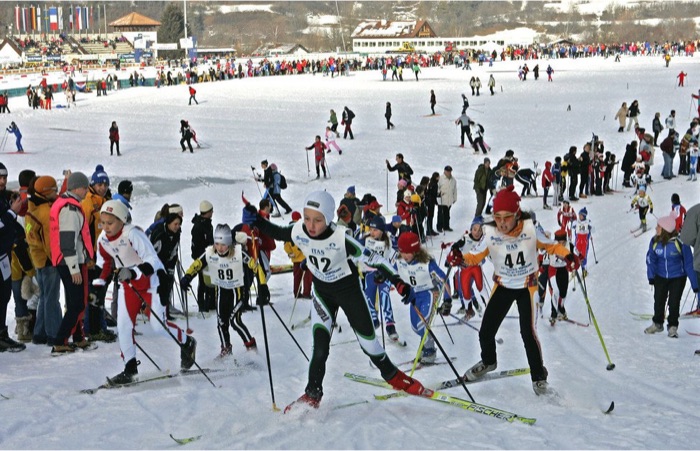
(267, 356)
(593, 247)
(145, 305)
(296, 297)
(378, 307)
(328, 168)
(252, 168)
(288, 331)
(582, 283)
(442, 350)
(308, 168)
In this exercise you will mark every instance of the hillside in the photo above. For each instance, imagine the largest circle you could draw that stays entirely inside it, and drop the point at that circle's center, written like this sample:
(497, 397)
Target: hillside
(323, 25)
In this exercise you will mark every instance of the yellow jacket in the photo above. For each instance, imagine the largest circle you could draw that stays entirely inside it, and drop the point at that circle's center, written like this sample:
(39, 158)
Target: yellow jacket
(91, 207)
(36, 227)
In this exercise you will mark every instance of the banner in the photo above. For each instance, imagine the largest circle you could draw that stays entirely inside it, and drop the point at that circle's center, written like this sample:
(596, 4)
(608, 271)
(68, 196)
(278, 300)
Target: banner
(60, 18)
(53, 18)
(18, 20)
(38, 19)
(78, 18)
(32, 18)
(70, 17)
(24, 20)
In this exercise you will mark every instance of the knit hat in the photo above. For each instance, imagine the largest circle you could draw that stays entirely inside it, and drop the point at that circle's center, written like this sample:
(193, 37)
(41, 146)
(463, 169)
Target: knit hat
(448, 168)
(351, 189)
(402, 184)
(177, 209)
(296, 216)
(478, 220)
(26, 176)
(583, 212)
(409, 243)
(273, 167)
(115, 208)
(222, 235)
(506, 200)
(77, 180)
(125, 187)
(322, 202)
(668, 223)
(263, 162)
(205, 206)
(3, 170)
(44, 185)
(374, 205)
(415, 198)
(377, 222)
(396, 218)
(99, 176)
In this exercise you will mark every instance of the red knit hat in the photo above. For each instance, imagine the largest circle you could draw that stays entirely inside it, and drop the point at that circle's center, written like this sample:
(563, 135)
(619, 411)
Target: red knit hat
(409, 243)
(296, 216)
(506, 200)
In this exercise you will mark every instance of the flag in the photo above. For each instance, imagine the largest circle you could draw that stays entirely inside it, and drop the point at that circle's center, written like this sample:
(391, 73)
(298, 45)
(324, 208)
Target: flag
(38, 19)
(24, 20)
(18, 21)
(32, 18)
(53, 18)
(60, 18)
(78, 18)
(86, 17)
(70, 17)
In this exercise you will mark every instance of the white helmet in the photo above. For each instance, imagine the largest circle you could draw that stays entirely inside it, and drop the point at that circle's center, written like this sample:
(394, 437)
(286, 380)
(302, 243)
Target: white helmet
(322, 202)
(222, 235)
(117, 209)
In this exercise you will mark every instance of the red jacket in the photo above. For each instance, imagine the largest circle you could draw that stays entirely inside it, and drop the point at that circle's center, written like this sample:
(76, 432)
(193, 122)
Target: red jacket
(192, 91)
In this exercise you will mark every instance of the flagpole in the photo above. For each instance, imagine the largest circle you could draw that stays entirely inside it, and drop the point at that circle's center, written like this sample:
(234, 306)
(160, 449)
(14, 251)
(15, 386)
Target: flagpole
(186, 53)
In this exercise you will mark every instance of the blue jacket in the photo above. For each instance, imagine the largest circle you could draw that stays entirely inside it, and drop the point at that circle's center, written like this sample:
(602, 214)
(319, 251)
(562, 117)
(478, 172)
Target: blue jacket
(670, 261)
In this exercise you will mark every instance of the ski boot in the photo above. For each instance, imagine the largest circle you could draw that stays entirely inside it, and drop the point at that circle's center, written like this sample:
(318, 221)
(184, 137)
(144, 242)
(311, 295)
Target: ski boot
(402, 382)
(187, 353)
(562, 313)
(251, 345)
(469, 313)
(654, 328)
(673, 332)
(226, 350)
(128, 375)
(391, 331)
(446, 308)
(311, 398)
(478, 371)
(428, 356)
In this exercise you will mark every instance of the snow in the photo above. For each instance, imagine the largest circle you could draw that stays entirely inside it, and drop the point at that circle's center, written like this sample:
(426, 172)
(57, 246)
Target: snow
(227, 9)
(245, 121)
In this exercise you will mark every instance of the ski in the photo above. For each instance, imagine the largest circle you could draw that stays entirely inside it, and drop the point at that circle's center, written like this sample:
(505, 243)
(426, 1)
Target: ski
(451, 400)
(569, 320)
(642, 316)
(3, 397)
(458, 382)
(184, 441)
(487, 377)
(350, 404)
(638, 234)
(398, 342)
(694, 334)
(407, 362)
(167, 375)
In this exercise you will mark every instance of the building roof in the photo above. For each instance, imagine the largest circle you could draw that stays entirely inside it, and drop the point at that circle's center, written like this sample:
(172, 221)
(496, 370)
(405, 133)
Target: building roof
(13, 45)
(135, 20)
(393, 29)
(286, 49)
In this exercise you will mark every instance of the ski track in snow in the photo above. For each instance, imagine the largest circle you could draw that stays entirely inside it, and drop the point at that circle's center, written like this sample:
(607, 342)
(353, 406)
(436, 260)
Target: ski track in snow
(246, 121)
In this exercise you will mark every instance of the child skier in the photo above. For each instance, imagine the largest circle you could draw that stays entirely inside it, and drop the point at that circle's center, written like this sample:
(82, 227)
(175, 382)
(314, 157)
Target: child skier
(582, 230)
(466, 276)
(18, 136)
(692, 153)
(224, 262)
(678, 210)
(558, 280)
(330, 141)
(376, 287)
(643, 204)
(330, 253)
(428, 281)
(138, 269)
(319, 155)
(547, 181)
(565, 216)
(512, 241)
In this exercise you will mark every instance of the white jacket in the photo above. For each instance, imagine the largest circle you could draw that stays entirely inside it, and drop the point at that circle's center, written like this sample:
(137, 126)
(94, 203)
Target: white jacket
(447, 190)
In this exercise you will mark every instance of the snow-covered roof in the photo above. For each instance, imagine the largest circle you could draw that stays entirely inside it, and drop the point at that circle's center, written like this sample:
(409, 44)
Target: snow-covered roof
(392, 29)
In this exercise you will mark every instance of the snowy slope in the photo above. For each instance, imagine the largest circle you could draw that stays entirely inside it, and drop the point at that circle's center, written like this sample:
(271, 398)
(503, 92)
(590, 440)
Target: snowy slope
(243, 122)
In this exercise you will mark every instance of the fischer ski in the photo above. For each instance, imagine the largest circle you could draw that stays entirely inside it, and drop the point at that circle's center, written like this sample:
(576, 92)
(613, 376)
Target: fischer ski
(569, 320)
(451, 400)
(301, 323)
(184, 441)
(407, 362)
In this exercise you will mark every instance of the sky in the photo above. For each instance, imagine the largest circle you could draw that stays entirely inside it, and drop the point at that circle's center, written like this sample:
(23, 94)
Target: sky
(242, 122)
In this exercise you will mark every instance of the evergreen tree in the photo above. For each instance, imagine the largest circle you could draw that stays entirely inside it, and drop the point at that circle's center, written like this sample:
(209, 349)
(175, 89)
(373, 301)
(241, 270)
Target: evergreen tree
(172, 27)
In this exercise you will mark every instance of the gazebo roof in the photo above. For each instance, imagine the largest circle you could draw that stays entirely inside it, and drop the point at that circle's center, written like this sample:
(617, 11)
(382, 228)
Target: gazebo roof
(135, 20)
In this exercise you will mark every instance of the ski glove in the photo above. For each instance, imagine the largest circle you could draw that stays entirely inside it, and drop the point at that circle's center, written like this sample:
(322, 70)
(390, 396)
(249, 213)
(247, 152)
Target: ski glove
(185, 282)
(403, 288)
(303, 265)
(455, 258)
(263, 294)
(126, 274)
(651, 281)
(250, 214)
(572, 262)
(410, 298)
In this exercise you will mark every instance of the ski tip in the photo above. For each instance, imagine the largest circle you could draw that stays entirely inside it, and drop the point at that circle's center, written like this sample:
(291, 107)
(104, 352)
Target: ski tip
(610, 409)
